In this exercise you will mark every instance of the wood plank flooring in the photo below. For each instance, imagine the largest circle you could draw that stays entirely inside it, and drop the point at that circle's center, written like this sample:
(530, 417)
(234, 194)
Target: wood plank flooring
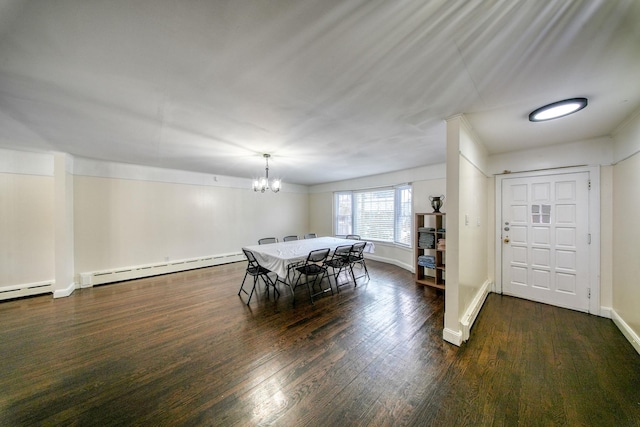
(184, 349)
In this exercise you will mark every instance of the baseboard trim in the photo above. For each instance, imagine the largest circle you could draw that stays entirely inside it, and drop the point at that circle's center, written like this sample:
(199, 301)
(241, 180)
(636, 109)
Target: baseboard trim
(474, 309)
(390, 261)
(605, 312)
(626, 330)
(61, 293)
(451, 336)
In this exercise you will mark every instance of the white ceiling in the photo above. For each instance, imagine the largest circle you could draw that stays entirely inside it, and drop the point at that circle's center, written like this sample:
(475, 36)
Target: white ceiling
(332, 89)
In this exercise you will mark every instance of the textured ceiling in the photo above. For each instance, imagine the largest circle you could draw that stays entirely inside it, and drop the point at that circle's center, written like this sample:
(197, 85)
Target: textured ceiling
(332, 89)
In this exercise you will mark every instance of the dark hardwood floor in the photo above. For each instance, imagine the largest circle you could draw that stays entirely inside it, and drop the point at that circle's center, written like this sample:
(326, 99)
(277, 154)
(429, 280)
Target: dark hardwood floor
(184, 349)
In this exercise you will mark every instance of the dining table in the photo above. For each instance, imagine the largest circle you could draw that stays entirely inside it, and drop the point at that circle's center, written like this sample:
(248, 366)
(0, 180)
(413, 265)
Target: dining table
(277, 257)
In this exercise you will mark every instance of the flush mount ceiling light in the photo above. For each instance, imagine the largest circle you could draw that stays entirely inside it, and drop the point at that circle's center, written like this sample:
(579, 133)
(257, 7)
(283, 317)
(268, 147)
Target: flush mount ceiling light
(558, 109)
(263, 184)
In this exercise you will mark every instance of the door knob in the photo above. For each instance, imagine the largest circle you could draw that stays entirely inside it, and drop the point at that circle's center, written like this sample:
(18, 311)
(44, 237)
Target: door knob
(506, 240)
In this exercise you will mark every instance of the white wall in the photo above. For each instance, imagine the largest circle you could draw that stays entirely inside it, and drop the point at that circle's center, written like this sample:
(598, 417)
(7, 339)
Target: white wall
(61, 216)
(452, 327)
(26, 229)
(468, 278)
(491, 229)
(473, 221)
(422, 190)
(123, 223)
(26, 218)
(124, 220)
(597, 151)
(626, 235)
(473, 225)
(321, 213)
(606, 240)
(626, 231)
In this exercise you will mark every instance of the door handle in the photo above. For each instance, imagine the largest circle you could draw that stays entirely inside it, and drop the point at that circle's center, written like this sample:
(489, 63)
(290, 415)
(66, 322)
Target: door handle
(506, 240)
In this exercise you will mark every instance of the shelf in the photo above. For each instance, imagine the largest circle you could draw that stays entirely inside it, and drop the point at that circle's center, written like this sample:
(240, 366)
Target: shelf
(425, 276)
(430, 281)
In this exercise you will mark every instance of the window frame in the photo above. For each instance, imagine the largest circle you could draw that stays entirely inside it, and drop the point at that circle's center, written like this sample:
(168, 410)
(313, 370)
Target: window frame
(402, 211)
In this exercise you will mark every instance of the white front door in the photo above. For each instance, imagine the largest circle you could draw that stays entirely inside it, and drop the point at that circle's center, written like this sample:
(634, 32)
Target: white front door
(545, 239)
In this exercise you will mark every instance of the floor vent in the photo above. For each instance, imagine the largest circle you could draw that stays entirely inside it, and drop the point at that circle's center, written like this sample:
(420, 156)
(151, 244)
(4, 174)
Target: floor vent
(117, 275)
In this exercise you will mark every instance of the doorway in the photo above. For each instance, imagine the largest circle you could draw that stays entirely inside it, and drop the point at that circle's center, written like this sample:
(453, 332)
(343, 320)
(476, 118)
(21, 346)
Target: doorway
(545, 242)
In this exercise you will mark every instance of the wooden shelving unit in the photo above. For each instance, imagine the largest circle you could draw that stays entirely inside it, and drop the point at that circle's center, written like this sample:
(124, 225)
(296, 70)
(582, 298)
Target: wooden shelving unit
(434, 277)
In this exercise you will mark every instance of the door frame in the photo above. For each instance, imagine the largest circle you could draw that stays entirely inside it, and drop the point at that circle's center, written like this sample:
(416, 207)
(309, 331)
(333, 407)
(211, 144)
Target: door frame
(593, 227)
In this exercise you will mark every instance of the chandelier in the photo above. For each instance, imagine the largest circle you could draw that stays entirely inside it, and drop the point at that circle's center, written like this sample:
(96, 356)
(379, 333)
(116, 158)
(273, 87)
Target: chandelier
(262, 184)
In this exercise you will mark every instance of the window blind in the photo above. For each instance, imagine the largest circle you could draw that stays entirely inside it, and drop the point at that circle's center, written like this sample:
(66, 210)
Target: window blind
(403, 218)
(374, 214)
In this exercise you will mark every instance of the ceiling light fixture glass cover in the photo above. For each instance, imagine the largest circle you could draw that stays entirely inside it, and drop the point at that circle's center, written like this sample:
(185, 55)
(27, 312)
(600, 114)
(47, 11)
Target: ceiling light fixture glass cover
(263, 184)
(558, 109)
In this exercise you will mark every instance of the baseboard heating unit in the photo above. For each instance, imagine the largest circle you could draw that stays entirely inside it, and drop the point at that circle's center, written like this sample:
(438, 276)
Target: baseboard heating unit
(128, 273)
(25, 290)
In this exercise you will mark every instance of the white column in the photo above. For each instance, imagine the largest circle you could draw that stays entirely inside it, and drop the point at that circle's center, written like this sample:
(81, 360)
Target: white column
(452, 328)
(63, 225)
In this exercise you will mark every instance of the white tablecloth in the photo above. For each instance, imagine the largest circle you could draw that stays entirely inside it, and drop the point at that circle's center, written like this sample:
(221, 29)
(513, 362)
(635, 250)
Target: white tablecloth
(277, 256)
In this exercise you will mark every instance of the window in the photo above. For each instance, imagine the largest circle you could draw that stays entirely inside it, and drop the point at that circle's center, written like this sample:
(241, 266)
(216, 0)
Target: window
(344, 219)
(403, 217)
(382, 214)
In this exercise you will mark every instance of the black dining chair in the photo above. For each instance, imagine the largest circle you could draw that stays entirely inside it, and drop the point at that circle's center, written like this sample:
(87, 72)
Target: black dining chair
(267, 240)
(258, 272)
(338, 263)
(290, 238)
(312, 268)
(353, 237)
(310, 236)
(356, 256)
